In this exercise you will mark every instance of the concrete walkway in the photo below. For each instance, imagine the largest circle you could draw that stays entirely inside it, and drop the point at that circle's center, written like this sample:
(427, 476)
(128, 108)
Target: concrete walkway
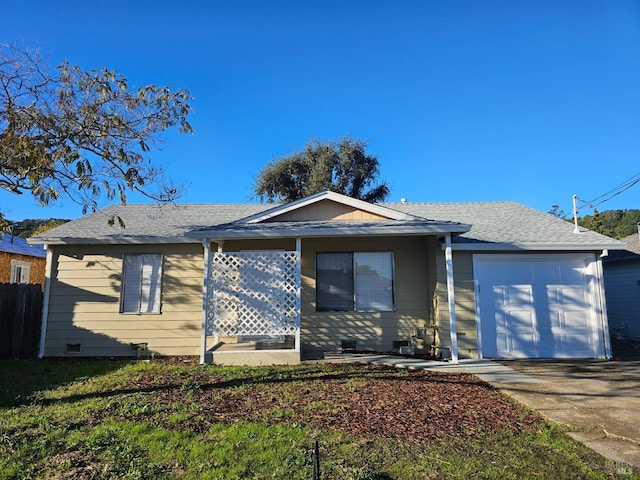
(598, 399)
(487, 370)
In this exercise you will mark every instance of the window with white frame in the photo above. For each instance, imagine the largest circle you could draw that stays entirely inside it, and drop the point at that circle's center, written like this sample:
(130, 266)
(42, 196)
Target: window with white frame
(357, 281)
(141, 283)
(20, 271)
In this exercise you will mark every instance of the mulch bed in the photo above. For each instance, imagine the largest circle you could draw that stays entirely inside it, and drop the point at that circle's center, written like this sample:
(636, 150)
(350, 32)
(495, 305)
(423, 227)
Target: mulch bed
(369, 401)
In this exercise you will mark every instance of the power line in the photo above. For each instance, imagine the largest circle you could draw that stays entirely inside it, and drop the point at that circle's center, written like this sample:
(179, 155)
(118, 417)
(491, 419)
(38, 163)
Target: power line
(614, 192)
(626, 185)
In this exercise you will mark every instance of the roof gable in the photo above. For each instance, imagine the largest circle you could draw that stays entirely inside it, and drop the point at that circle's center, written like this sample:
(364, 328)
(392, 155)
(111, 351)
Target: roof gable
(326, 206)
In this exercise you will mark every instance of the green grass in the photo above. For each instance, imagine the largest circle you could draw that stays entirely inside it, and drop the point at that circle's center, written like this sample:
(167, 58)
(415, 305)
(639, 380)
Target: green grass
(149, 420)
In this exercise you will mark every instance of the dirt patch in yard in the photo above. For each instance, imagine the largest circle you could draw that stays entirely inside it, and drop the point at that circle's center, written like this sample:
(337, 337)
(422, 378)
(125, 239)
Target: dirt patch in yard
(372, 400)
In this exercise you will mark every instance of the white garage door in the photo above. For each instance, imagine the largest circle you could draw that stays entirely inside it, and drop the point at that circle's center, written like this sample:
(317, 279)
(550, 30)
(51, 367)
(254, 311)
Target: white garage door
(537, 306)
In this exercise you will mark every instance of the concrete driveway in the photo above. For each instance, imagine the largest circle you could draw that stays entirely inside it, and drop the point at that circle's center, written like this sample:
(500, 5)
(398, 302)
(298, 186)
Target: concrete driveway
(599, 399)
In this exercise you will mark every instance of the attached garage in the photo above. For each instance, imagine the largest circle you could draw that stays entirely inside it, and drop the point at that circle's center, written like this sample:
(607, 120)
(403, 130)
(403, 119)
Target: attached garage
(539, 306)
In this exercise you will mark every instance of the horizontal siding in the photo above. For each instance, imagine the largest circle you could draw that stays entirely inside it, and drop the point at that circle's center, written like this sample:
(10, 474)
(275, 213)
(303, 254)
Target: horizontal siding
(326, 210)
(623, 297)
(70, 305)
(85, 300)
(259, 245)
(371, 330)
(464, 291)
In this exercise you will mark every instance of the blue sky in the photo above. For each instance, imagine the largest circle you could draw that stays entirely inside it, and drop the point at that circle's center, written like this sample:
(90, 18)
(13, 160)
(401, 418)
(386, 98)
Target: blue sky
(489, 100)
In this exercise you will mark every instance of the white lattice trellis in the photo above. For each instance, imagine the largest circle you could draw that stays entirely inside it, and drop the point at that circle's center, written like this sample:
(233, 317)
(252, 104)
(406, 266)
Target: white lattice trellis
(253, 293)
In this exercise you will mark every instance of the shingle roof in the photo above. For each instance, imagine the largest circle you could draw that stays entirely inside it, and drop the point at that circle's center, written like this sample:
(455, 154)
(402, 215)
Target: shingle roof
(329, 229)
(147, 223)
(508, 223)
(632, 242)
(493, 224)
(17, 245)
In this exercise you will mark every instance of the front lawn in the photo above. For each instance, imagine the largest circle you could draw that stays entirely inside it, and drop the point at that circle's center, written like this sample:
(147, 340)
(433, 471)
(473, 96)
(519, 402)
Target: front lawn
(176, 419)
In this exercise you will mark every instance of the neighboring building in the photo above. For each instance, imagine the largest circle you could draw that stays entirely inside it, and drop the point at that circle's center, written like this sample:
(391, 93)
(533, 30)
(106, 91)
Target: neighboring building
(21, 262)
(622, 286)
(258, 284)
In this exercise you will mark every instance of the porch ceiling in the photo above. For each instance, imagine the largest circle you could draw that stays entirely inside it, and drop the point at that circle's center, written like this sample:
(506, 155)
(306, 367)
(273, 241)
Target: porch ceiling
(329, 229)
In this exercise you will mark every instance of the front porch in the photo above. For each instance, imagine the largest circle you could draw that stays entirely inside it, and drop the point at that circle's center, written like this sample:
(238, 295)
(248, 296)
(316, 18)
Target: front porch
(254, 352)
(251, 310)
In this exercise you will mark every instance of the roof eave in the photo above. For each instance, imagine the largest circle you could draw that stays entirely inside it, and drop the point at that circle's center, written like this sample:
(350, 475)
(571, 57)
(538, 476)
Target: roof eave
(330, 232)
(534, 246)
(133, 240)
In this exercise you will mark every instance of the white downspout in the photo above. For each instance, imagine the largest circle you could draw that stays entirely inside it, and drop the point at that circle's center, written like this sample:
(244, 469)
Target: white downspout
(448, 256)
(298, 301)
(205, 299)
(45, 302)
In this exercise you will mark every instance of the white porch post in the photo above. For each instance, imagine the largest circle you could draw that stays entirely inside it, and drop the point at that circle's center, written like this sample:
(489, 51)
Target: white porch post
(299, 280)
(220, 243)
(45, 303)
(451, 296)
(205, 299)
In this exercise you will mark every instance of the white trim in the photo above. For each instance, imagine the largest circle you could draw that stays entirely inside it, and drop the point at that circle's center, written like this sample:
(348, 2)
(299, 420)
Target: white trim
(135, 290)
(115, 240)
(205, 289)
(602, 303)
(533, 256)
(333, 196)
(299, 292)
(476, 293)
(448, 257)
(16, 274)
(519, 246)
(45, 302)
(220, 249)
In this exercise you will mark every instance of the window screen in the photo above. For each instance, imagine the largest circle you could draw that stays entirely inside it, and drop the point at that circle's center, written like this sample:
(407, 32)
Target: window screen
(374, 281)
(142, 277)
(360, 281)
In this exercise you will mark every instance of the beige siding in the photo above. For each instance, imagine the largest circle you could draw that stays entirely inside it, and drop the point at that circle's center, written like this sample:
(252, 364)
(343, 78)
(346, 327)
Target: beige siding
(326, 210)
(85, 298)
(371, 330)
(464, 303)
(85, 302)
(264, 245)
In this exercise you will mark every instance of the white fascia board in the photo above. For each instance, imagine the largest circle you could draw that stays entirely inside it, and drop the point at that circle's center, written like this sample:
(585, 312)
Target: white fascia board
(118, 240)
(333, 196)
(519, 246)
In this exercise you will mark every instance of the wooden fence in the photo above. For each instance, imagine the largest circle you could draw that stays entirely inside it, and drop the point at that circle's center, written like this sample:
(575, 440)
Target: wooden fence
(20, 314)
